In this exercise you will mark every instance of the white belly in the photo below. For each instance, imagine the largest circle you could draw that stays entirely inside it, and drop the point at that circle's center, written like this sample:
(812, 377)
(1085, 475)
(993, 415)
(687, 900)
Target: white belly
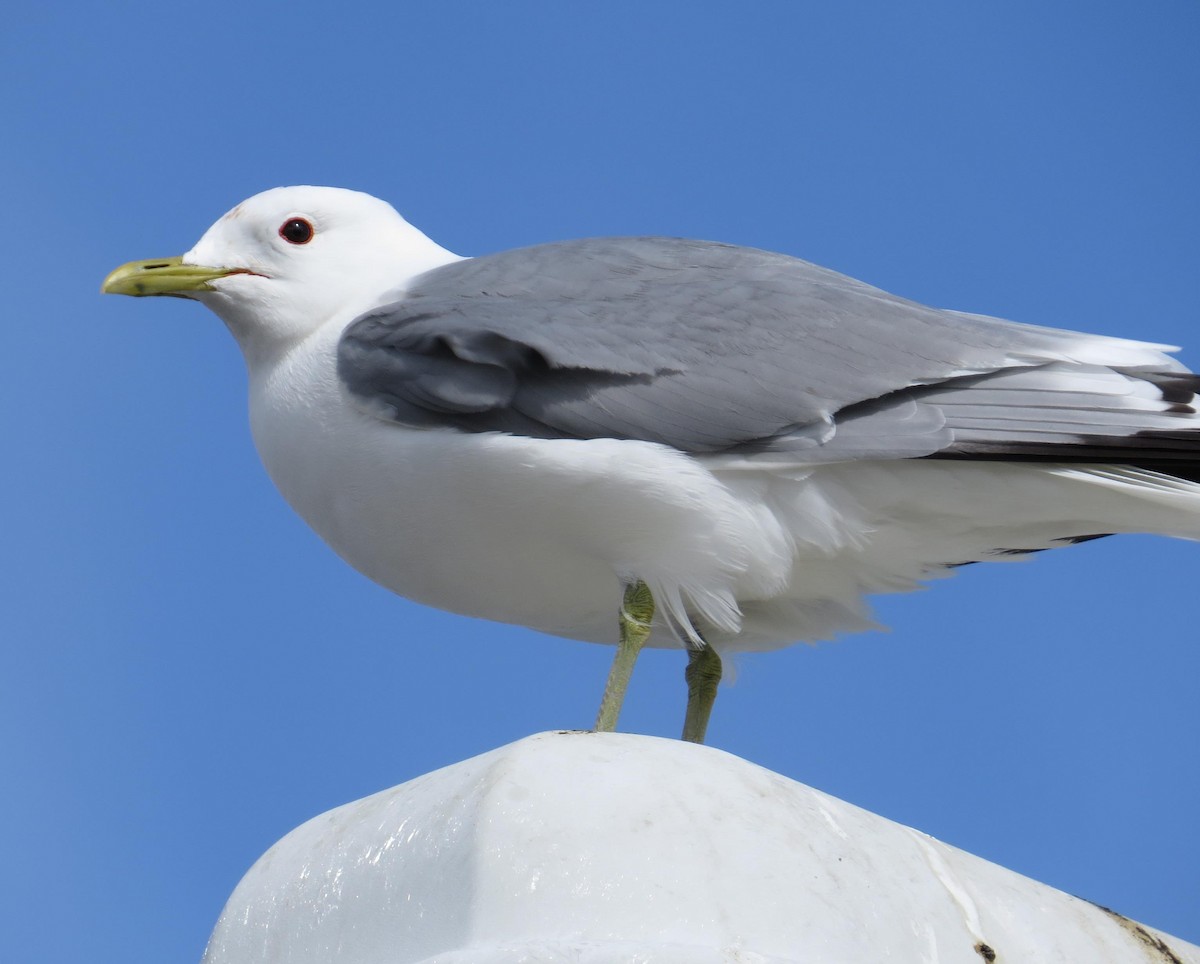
(528, 531)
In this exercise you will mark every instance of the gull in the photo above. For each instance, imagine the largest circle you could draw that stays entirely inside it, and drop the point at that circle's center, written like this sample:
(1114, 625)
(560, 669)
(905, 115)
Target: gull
(665, 442)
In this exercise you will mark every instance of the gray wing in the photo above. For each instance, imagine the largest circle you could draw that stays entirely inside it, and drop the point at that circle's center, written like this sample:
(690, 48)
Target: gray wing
(714, 348)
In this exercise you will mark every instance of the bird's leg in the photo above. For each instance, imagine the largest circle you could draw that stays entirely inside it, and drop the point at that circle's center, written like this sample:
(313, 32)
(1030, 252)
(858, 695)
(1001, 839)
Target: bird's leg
(703, 674)
(637, 613)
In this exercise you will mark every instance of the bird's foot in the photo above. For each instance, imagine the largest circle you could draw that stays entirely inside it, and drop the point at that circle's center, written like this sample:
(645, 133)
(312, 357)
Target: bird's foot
(703, 675)
(637, 615)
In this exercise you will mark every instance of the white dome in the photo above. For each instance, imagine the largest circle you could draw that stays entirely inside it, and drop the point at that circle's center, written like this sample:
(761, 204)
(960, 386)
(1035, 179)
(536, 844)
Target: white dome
(590, 848)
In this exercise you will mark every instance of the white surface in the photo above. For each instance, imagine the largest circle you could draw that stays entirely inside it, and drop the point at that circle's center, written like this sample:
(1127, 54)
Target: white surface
(583, 847)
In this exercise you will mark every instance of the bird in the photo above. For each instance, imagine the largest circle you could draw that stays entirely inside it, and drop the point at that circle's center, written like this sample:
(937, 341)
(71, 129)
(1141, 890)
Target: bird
(655, 441)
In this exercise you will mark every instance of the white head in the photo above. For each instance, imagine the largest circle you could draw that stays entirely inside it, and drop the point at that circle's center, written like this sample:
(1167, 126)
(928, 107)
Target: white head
(289, 261)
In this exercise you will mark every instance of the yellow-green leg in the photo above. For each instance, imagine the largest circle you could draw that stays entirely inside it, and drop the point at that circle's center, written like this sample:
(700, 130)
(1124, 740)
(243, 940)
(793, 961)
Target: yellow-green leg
(703, 675)
(637, 613)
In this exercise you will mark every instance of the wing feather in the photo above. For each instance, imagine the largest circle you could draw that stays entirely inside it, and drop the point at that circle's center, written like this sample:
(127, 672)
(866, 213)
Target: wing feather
(711, 348)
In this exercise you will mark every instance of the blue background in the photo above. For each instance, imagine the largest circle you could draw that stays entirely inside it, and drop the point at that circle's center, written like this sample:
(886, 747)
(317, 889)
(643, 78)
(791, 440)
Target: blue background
(189, 673)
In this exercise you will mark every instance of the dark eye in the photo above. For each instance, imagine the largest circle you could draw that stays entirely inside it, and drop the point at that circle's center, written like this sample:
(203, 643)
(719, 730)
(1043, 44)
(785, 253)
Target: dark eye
(296, 231)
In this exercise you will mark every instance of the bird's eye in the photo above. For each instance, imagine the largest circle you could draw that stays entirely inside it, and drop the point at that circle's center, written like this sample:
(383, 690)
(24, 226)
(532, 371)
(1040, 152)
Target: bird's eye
(296, 231)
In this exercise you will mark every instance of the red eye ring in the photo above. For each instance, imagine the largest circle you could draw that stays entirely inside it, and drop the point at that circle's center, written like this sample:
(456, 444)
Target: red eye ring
(297, 231)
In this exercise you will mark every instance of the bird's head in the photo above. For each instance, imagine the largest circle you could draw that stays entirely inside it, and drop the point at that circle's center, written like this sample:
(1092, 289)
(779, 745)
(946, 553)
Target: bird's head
(288, 261)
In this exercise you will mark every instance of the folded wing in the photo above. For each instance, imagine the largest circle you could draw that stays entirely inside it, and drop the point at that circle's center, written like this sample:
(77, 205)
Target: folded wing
(711, 348)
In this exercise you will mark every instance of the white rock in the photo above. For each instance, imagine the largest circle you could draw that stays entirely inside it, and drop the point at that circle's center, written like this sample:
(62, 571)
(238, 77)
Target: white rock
(590, 848)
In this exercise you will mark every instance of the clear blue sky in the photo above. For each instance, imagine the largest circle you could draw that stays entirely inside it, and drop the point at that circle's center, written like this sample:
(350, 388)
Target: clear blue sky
(189, 673)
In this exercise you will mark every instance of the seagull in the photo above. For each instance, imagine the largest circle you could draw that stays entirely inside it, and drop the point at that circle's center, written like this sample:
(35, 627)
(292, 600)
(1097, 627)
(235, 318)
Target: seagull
(665, 442)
